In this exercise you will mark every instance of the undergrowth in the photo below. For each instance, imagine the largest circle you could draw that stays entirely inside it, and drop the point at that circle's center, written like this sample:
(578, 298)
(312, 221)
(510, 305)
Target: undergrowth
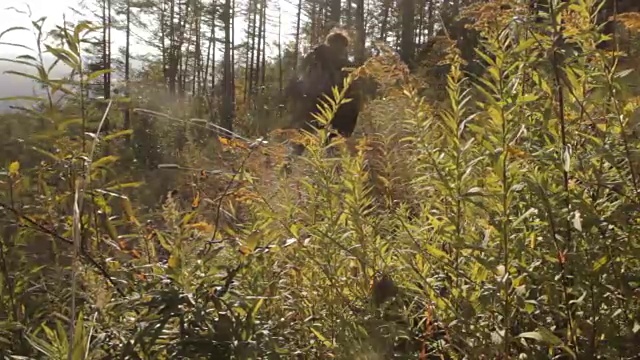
(500, 222)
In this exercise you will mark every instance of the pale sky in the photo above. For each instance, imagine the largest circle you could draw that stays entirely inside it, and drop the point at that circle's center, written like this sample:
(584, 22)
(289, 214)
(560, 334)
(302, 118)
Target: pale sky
(52, 9)
(55, 9)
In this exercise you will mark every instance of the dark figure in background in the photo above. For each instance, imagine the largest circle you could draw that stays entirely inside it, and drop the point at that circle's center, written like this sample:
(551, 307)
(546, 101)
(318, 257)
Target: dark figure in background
(322, 69)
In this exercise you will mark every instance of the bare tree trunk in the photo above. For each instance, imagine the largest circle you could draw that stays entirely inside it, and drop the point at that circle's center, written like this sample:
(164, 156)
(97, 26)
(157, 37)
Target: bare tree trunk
(314, 22)
(233, 58)
(335, 10)
(197, 76)
(386, 7)
(360, 33)
(252, 33)
(264, 45)
(172, 49)
(258, 63)
(280, 67)
(213, 108)
(163, 47)
(430, 22)
(127, 55)
(183, 57)
(407, 43)
(227, 101)
(296, 51)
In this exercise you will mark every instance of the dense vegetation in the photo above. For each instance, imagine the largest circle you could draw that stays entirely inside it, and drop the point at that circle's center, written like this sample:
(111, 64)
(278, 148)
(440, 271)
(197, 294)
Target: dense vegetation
(490, 214)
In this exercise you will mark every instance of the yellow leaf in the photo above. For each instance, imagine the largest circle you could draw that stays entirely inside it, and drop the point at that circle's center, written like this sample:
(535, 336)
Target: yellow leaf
(107, 160)
(244, 250)
(128, 209)
(201, 226)
(252, 240)
(108, 226)
(196, 200)
(174, 261)
(515, 151)
(14, 168)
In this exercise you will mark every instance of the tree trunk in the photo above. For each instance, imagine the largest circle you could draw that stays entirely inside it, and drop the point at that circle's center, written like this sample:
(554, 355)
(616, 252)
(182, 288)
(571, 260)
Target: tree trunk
(127, 55)
(407, 42)
(360, 33)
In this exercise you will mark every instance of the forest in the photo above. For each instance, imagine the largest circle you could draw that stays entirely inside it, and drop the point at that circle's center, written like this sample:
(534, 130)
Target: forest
(484, 207)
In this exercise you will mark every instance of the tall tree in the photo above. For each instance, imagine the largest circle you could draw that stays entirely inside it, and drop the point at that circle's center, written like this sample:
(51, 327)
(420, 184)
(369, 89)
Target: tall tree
(407, 42)
(227, 79)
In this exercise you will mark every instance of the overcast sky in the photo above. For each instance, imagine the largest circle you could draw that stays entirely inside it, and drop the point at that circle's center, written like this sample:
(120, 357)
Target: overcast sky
(55, 9)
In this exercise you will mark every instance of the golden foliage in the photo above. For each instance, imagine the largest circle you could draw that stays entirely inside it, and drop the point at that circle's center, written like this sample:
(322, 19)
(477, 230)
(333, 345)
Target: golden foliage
(492, 15)
(630, 20)
(232, 143)
(201, 226)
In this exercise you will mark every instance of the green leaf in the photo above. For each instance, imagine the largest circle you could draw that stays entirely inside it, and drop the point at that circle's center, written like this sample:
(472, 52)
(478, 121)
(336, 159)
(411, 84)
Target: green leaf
(108, 226)
(82, 26)
(15, 45)
(78, 347)
(436, 252)
(256, 307)
(542, 335)
(19, 61)
(125, 186)
(63, 125)
(47, 154)
(326, 342)
(252, 240)
(17, 98)
(623, 73)
(11, 29)
(65, 56)
(164, 242)
(600, 263)
(25, 75)
(174, 261)
(118, 134)
(107, 160)
(128, 210)
(96, 74)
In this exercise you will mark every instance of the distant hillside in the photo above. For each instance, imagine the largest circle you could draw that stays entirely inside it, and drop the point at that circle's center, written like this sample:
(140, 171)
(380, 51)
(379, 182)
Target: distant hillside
(15, 85)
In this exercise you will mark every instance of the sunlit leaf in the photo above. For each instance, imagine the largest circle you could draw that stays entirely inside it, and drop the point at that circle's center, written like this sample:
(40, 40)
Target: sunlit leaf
(321, 337)
(125, 186)
(597, 265)
(244, 250)
(542, 335)
(66, 56)
(252, 240)
(195, 203)
(174, 261)
(117, 134)
(108, 226)
(96, 74)
(105, 161)
(128, 210)
(14, 168)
